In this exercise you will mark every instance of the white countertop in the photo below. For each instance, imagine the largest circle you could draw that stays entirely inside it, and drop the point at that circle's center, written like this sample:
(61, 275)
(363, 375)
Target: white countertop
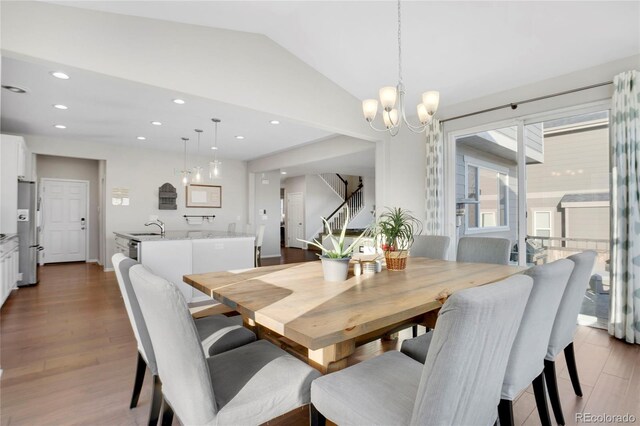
(182, 235)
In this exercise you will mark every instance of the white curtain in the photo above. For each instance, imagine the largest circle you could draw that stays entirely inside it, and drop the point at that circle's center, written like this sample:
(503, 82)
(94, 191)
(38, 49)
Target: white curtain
(434, 193)
(624, 319)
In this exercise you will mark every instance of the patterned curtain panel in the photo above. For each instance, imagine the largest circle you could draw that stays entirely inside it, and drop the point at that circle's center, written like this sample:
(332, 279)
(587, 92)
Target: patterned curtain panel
(434, 180)
(624, 321)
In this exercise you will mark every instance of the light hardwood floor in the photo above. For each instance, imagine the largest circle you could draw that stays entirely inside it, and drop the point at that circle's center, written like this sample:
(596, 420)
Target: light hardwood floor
(68, 357)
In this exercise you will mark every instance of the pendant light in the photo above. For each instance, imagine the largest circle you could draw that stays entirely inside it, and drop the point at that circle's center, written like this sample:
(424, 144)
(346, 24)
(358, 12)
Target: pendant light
(185, 173)
(197, 170)
(392, 102)
(214, 166)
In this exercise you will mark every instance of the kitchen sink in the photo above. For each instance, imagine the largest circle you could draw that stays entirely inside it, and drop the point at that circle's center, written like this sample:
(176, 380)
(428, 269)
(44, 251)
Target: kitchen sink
(144, 234)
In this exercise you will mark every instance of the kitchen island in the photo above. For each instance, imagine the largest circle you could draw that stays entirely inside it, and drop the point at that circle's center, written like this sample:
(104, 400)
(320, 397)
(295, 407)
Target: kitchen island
(179, 253)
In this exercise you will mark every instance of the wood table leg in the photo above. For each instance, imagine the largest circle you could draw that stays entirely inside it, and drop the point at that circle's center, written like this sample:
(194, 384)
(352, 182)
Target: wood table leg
(250, 324)
(332, 358)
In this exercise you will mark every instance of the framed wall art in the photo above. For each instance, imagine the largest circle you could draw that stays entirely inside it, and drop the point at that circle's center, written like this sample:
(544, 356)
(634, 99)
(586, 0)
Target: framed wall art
(201, 195)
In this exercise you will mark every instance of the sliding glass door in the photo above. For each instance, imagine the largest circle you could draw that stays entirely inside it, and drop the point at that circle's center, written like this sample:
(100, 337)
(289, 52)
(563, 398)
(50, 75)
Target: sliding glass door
(545, 185)
(567, 197)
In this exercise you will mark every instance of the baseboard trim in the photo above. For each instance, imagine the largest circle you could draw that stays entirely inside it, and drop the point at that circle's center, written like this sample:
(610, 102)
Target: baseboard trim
(108, 269)
(92, 261)
(267, 256)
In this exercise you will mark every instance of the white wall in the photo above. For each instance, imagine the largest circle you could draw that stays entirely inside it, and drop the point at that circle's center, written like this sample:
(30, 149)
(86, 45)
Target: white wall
(400, 173)
(55, 167)
(267, 197)
(143, 171)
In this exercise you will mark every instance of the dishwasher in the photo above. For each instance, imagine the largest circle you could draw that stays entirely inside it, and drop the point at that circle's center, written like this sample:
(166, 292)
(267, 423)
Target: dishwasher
(128, 247)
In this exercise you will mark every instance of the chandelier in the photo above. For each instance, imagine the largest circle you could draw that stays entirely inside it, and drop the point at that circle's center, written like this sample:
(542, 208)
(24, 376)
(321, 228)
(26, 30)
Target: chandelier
(392, 102)
(197, 170)
(214, 166)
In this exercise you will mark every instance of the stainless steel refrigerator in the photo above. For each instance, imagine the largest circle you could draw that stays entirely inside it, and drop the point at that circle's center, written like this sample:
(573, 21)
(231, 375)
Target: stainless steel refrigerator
(28, 232)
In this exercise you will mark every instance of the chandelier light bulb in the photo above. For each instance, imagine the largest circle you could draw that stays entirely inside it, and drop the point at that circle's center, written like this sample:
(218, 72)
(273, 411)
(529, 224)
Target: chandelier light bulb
(390, 118)
(185, 179)
(431, 100)
(388, 96)
(370, 109)
(423, 114)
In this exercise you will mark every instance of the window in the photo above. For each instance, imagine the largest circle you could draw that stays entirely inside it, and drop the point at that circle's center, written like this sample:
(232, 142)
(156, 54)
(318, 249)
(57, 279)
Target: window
(487, 188)
(542, 223)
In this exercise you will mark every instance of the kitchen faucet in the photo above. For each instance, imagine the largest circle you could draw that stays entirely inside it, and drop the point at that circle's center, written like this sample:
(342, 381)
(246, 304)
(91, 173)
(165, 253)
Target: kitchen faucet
(158, 223)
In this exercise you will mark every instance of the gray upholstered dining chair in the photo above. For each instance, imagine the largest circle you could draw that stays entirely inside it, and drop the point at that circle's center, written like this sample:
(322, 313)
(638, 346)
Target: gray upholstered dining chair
(484, 250)
(432, 246)
(564, 327)
(526, 362)
(217, 333)
(460, 381)
(247, 385)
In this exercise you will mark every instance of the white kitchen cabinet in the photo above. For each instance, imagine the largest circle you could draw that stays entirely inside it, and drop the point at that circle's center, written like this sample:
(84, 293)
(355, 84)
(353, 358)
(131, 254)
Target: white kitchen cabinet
(180, 254)
(9, 267)
(221, 254)
(170, 260)
(9, 183)
(22, 158)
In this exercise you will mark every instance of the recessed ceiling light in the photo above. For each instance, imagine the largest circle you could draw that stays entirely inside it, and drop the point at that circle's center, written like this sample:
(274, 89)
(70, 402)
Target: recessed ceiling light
(274, 122)
(283, 172)
(178, 101)
(60, 75)
(156, 123)
(214, 147)
(141, 138)
(60, 126)
(60, 106)
(14, 89)
(239, 137)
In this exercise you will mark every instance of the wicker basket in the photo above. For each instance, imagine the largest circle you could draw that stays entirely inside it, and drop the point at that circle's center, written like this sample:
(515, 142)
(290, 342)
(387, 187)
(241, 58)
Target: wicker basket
(396, 261)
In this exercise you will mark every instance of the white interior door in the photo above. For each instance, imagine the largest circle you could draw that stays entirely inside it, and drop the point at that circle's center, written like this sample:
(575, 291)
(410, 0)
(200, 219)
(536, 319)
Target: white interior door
(64, 233)
(295, 219)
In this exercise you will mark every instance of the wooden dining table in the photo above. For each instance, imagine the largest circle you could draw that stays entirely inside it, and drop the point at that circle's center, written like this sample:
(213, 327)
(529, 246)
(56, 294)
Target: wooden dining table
(323, 322)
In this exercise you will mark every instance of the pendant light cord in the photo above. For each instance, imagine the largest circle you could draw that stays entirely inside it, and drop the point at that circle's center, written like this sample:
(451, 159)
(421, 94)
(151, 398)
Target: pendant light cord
(399, 44)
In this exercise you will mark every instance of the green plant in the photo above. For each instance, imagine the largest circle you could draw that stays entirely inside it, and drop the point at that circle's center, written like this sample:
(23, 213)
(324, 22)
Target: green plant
(339, 251)
(395, 229)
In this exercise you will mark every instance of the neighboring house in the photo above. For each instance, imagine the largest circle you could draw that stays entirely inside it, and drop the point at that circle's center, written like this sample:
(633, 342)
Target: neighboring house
(568, 194)
(567, 184)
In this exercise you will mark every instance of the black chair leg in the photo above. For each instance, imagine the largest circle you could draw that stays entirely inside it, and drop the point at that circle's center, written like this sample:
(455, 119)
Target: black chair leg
(156, 401)
(317, 419)
(141, 368)
(505, 412)
(570, 356)
(541, 400)
(415, 330)
(552, 388)
(167, 414)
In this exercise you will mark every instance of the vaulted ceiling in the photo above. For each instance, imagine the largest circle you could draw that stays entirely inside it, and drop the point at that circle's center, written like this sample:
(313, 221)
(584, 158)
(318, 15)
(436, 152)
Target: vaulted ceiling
(463, 49)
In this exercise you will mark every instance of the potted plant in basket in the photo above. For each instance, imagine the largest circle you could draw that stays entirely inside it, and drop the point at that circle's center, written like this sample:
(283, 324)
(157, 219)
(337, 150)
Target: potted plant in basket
(394, 231)
(335, 262)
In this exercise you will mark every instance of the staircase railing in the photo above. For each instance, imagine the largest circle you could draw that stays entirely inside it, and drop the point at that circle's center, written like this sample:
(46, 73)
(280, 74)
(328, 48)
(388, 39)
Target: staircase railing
(336, 183)
(355, 202)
